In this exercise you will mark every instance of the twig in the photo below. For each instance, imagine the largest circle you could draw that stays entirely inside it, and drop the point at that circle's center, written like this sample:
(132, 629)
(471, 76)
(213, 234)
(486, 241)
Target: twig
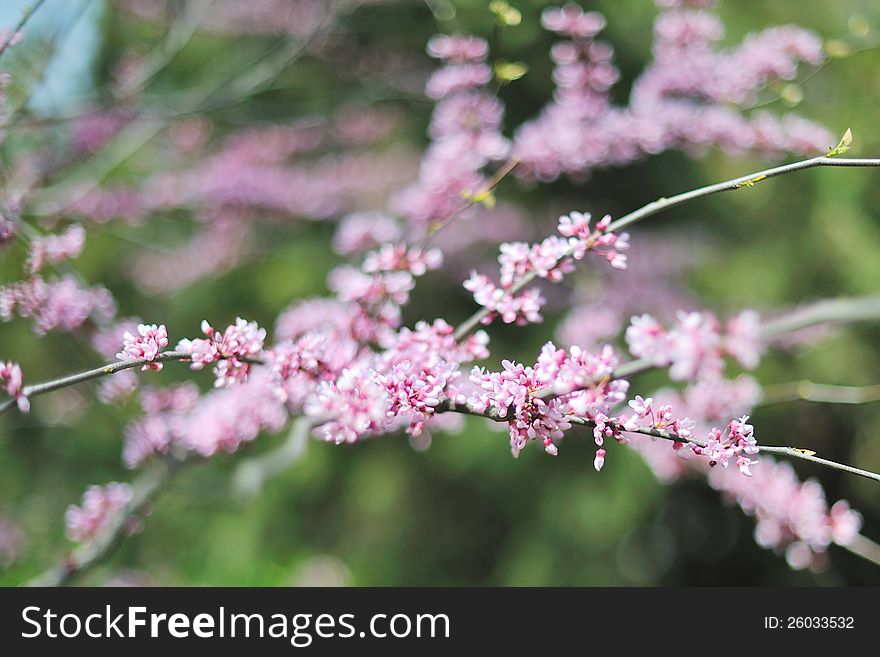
(98, 372)
(662, 204)
(473, 199)
(795, 453)
(791, 452)
(853, 309)
(805, 390)
(831, 310)
(26, 15)
(865, 548)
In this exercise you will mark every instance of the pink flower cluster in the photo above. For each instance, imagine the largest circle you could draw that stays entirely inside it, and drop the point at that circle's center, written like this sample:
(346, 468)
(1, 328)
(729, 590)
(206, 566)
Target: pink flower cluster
(147, 344)
(419, 369)
(737, 440)
(12, 382)
(232, 350)
(661, 417)
(402, 385)
(400, 257)
(513, 391)
(100, 505)
(278, 172)
(163, 425)
(364, 230)
(56, 305)
(572, 21)
(538, 399)
(550, 259)
(695, 347)
(220, 420)
(465, 130)
(691, 96)
(55, 249)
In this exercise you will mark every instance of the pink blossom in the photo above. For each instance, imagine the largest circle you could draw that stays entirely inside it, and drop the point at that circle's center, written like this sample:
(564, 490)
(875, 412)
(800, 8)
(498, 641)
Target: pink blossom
(149, 435)
(743, 339)
(400, 257)
(232, 350)
(148, 344)
(351, 407)
(364, 230)
(458, 47)
(694, 348)
(12, 382)
(736, 440)
(118, 388)
(647, 339)
(457, 77)
(693, 95)
(845, 523)
(351, 284)
(320, 354)
(100, 506)
(55, 249)
(57, 305)
(551, 259)
(225, 418)
(522, 308)
(513, 390)
(572, 21)
(599, 461)
(641, 406)
(179, 398)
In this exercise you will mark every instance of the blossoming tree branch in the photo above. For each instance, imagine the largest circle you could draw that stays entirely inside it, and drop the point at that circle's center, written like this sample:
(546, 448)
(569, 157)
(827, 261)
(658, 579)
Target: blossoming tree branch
(345, 367)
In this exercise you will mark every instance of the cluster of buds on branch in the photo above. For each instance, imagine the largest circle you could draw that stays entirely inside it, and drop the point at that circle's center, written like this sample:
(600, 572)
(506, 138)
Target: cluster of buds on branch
(349, 367)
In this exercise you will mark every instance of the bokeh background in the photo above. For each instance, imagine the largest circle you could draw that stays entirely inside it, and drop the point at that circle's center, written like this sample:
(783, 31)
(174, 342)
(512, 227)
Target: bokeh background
(461, 512)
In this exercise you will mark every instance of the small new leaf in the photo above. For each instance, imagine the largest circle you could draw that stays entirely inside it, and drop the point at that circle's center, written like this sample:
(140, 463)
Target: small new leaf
(750, 182)
(843, 145)
(805, 452)
(505, 15)
(486, 197)
(507, 72)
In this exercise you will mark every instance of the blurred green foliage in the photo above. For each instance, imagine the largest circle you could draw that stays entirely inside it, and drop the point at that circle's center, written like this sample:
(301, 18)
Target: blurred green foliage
(464, 512)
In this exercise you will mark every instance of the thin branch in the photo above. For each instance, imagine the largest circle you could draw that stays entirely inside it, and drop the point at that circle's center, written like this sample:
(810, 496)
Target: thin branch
(852, 309)
(791, 452)
(865, 548)
(470, 324)
(831, 310)
(804, 455)
(144, 488)
(26, 15)
(98, 372)
(746, 181)
(88, 375)
(473, 199)
(805, 390)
